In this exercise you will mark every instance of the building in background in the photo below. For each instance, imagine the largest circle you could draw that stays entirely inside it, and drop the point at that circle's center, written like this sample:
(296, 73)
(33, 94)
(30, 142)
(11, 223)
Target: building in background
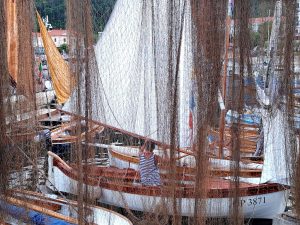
(256, 22)
(298, 18)
(59, 37)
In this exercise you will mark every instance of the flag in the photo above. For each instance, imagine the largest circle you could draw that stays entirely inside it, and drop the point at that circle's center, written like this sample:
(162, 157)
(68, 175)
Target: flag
(192, 105)
(191, 120)
(40, 72)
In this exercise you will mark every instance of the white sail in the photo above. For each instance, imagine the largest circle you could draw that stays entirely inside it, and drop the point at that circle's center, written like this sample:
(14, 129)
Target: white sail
(126, 62)
(277, 138)
(117, 54)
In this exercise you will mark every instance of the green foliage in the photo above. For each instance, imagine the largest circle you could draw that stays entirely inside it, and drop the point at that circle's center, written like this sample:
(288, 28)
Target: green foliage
(63, 47)
(262, 8)
(260, 38)
(265, 31)
(101, 10)
(56, 11)
(255, 39)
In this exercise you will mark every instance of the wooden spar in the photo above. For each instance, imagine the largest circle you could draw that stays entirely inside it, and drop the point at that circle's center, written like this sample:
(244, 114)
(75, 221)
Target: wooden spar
(182, 174)
(158, 143)
(50, 205)
(223, 111)
(60, 201)
(163, 145)
(243, 136)
(40, 196)
(57, 138)
(20, 132)
(187, 169)
(43, 210)
(245, 133)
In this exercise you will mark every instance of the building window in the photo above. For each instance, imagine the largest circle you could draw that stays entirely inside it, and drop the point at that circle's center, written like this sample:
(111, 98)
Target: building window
(54, 39)
(65, 40)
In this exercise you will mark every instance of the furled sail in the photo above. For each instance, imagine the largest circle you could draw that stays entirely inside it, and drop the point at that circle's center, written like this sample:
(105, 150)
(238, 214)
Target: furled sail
(59, 69)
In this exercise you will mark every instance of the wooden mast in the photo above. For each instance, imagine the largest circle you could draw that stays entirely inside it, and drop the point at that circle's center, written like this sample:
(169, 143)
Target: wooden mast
(223, 110)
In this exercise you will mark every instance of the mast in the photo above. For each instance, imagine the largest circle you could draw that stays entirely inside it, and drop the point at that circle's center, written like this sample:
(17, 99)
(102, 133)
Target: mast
(222, 98)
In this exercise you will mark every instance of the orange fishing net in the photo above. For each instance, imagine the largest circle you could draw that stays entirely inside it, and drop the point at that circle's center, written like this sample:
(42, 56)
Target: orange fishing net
(58, 67)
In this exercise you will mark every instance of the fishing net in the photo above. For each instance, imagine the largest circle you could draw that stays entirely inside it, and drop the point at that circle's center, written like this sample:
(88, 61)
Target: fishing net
(181, 74)
(19, 151)
(172, 72)
(58, 67)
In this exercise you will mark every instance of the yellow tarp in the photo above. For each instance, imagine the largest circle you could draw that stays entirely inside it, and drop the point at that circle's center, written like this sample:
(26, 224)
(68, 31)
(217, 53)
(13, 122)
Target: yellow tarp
(58, 67)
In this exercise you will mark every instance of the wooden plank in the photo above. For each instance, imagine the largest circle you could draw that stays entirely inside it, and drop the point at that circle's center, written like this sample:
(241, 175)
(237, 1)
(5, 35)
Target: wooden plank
(42, 210)
(187, 169)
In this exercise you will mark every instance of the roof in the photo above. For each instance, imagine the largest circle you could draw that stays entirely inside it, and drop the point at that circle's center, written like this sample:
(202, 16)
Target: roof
(55, 33)
(260, 20)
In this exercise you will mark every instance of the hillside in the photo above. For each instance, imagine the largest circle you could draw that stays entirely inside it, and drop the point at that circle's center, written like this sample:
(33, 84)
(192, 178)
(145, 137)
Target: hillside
(56, 11)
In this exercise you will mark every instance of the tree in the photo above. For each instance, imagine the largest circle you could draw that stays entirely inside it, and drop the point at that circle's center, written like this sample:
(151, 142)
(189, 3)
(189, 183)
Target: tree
(63, 48)
(255, 39)
(264, 32)
(262, 8)
(55, 10)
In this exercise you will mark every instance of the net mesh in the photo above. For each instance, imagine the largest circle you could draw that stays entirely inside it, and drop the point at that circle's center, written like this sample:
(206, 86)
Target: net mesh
(169, 71)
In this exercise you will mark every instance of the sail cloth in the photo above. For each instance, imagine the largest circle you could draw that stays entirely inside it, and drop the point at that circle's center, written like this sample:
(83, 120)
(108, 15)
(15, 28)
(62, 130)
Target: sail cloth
(58, 67)
(132, 57)
(278, 135)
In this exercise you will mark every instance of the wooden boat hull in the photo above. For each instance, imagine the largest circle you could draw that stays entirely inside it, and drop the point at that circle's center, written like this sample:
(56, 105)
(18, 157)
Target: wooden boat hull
(32, 205)
(261, 201)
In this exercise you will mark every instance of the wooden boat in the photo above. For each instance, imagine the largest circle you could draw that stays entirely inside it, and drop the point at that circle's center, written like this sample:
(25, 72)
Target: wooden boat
(67, 133)
(247, 118)
(120, 187)
(125, 156)
(33, 207)
(25, 131)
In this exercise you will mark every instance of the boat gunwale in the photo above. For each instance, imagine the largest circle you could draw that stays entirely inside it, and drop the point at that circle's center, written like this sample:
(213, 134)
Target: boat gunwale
(187, 169)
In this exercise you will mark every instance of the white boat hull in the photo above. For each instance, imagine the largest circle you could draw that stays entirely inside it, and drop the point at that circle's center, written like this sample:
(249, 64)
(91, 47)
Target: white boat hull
(265, 206)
